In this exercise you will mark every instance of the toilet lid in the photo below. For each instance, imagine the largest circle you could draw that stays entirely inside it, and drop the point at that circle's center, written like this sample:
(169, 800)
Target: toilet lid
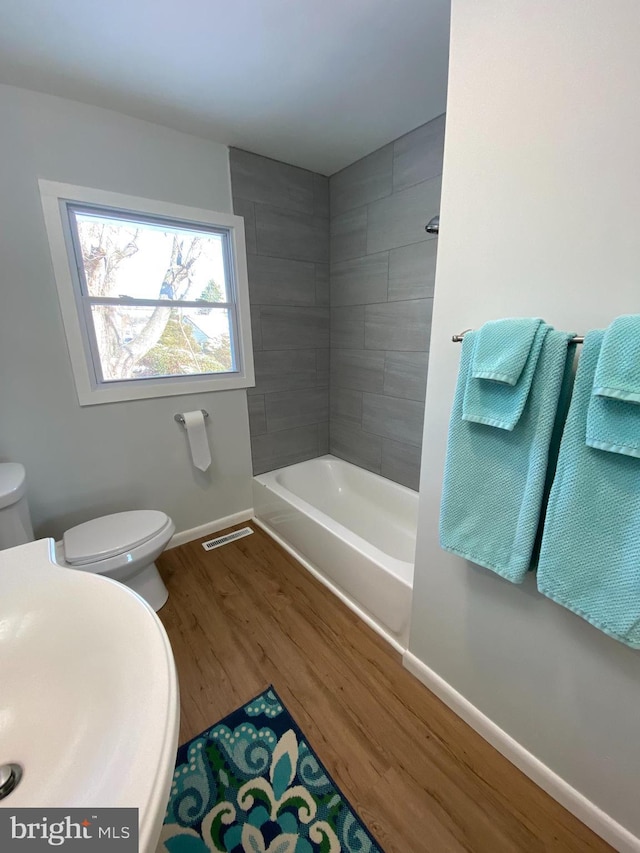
(12, 485)
(111, 535)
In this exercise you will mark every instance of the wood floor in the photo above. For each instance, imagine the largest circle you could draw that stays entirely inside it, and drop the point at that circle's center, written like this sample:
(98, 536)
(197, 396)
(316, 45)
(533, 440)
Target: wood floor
(247, 615)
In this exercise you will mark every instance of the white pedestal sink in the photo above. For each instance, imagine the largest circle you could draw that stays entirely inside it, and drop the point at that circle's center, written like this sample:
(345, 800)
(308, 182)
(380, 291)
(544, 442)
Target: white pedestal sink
(88, 691)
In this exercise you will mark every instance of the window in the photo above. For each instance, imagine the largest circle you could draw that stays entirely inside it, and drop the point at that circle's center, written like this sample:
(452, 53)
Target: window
(154, 296)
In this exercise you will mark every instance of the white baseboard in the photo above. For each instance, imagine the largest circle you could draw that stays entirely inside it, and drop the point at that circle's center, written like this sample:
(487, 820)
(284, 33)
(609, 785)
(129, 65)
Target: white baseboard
(210, 527)
(575, 802)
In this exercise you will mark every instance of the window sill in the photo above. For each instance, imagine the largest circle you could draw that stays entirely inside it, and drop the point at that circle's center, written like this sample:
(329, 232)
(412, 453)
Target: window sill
(144, 389)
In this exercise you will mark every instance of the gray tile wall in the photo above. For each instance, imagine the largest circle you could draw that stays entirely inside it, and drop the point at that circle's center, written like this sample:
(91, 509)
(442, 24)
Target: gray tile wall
(382, 275)
(286, 212)
(340, 350)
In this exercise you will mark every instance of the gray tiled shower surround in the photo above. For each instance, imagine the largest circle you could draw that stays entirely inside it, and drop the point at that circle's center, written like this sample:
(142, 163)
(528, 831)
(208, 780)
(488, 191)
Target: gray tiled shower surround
(341, 350)
(382, 276)
(286, 215)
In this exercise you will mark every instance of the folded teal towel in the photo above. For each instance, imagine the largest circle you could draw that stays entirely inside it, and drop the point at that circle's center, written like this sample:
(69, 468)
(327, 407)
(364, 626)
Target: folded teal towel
(495, 478)
(613, 425)
(590, 555)
(502, 349)
(499, 404)
(613, 418)
(618, 370)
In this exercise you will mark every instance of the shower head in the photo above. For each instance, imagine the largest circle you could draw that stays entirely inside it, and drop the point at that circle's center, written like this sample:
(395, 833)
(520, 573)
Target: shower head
(433, 225)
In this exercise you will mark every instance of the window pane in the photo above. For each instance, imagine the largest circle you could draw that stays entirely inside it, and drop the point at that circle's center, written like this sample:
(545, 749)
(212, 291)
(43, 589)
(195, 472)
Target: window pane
(144, 260)
(136, 342)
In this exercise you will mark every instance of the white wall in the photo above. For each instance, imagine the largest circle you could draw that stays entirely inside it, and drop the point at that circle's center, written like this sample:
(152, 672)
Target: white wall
(82, 462)
(540, 216)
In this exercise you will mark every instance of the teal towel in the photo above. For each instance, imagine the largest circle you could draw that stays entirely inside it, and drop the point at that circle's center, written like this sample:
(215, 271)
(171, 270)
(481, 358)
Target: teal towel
(590, 555)
(502, 349)
(498, 404)
(613, 418)
(494, 479)
(618, 370)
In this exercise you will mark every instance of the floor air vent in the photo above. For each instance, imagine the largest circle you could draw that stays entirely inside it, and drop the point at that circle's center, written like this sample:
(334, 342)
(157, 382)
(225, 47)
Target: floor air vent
(229, 537)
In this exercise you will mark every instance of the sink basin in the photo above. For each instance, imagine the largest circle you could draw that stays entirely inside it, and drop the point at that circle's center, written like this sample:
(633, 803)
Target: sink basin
(88, 691)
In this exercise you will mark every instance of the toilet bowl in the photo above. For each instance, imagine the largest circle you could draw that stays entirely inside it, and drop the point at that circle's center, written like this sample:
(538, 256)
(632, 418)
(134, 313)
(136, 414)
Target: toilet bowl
(122, 546)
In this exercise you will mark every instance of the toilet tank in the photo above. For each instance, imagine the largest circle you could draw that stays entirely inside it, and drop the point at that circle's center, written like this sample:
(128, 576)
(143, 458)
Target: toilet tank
(15, 520)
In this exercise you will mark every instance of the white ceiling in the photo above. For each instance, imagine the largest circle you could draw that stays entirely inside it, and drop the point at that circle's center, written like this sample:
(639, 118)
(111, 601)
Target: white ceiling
(317, 83)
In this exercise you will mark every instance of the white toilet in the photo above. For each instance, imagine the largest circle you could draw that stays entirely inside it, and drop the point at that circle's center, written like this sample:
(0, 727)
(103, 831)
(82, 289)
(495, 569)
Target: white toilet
(122, 546)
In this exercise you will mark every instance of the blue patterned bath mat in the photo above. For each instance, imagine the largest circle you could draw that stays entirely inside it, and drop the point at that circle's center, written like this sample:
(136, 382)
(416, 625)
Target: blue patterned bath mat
(252, 784)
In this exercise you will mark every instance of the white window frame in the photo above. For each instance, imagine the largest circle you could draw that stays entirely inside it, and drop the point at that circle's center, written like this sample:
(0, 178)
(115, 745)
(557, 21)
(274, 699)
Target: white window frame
(91, 391)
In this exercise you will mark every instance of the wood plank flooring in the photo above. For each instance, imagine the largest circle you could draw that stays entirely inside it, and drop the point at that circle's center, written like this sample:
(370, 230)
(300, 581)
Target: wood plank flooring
(247, 615)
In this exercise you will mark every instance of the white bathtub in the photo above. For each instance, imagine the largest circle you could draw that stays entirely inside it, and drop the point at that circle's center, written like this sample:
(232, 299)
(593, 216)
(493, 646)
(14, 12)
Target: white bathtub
(352, 529)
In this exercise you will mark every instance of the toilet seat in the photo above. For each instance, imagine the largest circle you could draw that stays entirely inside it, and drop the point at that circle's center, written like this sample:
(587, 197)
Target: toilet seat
(111, 535)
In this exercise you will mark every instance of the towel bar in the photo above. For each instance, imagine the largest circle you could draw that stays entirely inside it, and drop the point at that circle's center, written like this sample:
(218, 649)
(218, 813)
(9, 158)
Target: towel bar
(457, 339)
